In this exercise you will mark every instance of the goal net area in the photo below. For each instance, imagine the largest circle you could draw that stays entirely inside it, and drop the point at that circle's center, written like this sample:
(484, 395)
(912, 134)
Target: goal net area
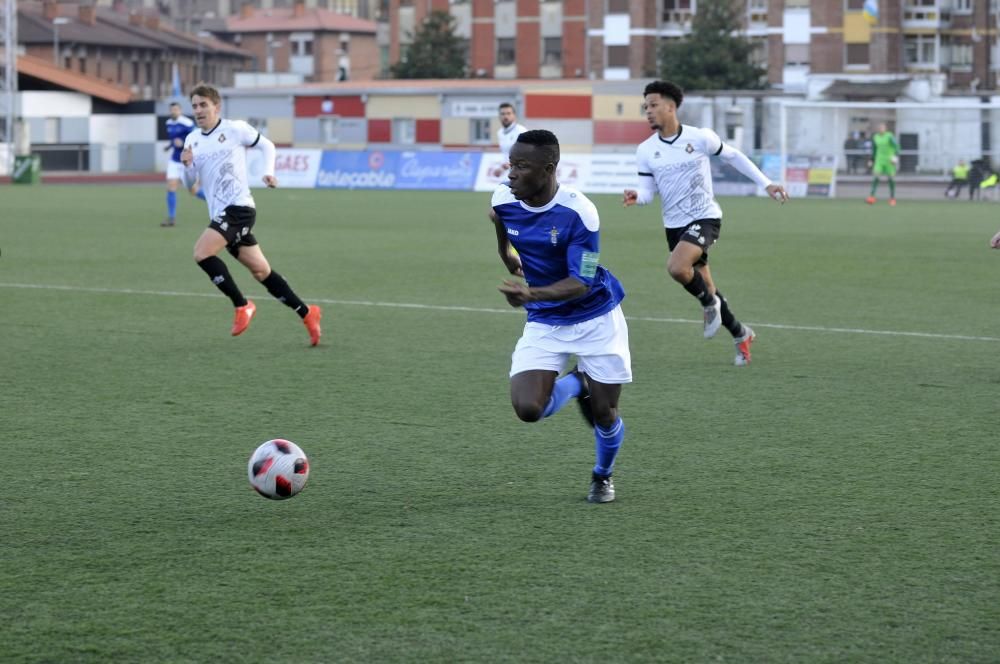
(933, 137)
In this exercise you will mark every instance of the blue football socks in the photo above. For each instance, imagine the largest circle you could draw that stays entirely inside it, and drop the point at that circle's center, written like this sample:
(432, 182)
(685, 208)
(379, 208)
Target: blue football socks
(607, 443)
(201, 194)
(171, 204)
(565, 389)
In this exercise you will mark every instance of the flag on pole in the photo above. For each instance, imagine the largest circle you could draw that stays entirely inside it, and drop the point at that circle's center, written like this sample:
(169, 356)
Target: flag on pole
(175, 89)
(870, 11)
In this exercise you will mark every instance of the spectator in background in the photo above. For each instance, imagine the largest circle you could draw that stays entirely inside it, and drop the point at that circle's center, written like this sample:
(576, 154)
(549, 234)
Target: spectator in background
(850, 153)
(959, 178)
(865, 143)
(508, 132)
(977, 173)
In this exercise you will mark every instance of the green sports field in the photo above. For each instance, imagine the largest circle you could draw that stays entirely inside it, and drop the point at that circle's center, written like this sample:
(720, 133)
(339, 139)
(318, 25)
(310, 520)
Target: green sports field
(836, 501)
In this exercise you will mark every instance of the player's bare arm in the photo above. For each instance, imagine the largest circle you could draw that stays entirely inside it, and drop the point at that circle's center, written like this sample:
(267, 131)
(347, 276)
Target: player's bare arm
(187, 156)
(518, 293)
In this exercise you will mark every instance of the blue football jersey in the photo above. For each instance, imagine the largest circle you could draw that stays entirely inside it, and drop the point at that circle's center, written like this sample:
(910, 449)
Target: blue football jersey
(559, 240)
(177, 131)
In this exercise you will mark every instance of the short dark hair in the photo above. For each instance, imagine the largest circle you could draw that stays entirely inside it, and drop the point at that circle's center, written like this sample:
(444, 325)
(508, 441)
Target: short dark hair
(506, 104)
(544, 140)
(208, 92)
(665, 89)
(175, 103)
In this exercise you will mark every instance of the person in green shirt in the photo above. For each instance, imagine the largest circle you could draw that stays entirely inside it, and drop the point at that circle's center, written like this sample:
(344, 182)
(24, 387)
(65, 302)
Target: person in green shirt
(959, 178)
(885, 151)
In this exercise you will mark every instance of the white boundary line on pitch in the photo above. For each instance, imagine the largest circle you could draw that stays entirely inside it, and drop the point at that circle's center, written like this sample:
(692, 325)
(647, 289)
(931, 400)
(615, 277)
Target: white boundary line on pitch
(487, 310)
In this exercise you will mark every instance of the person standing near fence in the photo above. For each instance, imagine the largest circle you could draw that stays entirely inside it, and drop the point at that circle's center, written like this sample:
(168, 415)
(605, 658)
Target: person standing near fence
(884, 160)
(959, 178)
(508, 132)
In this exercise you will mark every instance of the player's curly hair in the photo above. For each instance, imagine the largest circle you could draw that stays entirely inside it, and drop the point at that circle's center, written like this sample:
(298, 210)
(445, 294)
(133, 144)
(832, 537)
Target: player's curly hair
(544, 140)
(665, 89)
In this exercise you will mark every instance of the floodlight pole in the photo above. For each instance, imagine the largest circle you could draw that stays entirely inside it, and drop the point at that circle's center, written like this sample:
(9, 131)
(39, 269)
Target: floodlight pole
(8, 42)
(783, 158)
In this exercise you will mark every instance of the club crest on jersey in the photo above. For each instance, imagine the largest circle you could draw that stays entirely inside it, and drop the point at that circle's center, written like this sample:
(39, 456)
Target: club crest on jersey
(656, 155)
(554, 236)
(222, 139)
(689, 149)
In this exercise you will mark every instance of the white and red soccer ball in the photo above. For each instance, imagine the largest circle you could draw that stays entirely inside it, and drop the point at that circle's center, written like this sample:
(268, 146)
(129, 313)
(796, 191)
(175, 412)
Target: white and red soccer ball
(278, 469)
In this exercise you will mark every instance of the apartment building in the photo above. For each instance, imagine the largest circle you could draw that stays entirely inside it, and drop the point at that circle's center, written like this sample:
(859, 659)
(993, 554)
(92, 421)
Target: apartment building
(950, 42)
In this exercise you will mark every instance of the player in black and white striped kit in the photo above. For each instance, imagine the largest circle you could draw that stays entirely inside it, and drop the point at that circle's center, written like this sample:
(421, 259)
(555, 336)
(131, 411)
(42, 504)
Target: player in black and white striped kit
(674, 162)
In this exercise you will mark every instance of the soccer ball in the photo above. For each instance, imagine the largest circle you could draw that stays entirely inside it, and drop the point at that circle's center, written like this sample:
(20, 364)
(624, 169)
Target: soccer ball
(278, 469)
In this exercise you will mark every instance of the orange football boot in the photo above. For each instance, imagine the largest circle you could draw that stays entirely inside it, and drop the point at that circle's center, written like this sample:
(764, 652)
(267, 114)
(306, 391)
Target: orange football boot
(870, 200)
(241, 319)
(311, 321)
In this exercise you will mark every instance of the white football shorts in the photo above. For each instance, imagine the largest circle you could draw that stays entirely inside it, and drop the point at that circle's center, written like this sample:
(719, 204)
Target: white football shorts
(175, 170)
(600, 345)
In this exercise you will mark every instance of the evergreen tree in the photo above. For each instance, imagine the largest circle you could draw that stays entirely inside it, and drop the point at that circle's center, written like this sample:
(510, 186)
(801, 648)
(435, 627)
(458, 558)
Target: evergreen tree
(714, 56)
(435, 52)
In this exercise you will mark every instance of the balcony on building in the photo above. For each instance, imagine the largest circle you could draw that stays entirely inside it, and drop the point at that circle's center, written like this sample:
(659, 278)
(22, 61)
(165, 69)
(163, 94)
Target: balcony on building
(927, 14)
(757, 16)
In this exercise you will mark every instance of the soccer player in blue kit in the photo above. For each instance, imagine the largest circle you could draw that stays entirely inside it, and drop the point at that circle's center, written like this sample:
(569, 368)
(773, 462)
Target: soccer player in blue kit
(572, 302)
(178, 127)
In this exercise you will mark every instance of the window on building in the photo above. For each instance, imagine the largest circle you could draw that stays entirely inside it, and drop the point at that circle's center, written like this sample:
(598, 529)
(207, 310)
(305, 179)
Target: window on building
(854, 5)
(301, 45)
(552, 50)
(961, 55)
(479, 131)
(677, 11)
(856, 55)
(618, 56)
(505, 52)
(618, 6)
(135, 72)
(404, 131)
(81, 62)
(796, 4)
(383, 60)
(962, 6)
(149, 73)
(920, 50)
(328, 129)
(68, 62)
(796, 55)
(758, 56)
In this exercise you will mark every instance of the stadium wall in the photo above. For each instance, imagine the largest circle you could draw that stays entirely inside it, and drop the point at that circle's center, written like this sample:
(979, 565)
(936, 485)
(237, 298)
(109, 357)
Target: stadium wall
(72, 131)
